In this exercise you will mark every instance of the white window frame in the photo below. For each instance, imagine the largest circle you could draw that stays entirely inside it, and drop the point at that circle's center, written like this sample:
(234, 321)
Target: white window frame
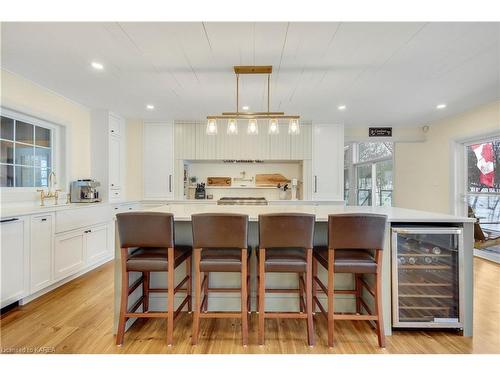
(353, 171)
(459, 171)
(56, 147)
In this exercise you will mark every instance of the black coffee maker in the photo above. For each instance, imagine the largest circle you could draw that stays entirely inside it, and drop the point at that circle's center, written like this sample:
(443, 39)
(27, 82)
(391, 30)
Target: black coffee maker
(200, 192)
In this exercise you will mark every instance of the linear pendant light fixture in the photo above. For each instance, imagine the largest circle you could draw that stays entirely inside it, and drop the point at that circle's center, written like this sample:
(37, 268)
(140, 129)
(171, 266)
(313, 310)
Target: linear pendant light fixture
(253, 117)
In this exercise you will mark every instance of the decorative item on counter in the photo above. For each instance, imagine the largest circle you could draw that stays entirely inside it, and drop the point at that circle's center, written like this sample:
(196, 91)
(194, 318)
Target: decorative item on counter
(294, 189)
(283, 189)
(200, 192)
(218, 181)
(193, 180)
(270, 180)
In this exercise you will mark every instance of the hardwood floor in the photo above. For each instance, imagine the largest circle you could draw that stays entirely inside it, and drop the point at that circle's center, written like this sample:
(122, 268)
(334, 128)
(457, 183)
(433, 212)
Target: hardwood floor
(77, 318)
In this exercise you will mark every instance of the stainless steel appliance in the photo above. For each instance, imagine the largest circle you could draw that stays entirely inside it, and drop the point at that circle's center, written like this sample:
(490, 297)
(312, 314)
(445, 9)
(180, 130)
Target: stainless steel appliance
(246, 201)
(84, 191)
(427, 277)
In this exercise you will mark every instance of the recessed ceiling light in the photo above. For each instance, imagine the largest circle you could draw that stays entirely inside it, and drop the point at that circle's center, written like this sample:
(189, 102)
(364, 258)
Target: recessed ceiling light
(97, 65)
(150, 106)
(245, 108)
(441, 106)
(341, 107)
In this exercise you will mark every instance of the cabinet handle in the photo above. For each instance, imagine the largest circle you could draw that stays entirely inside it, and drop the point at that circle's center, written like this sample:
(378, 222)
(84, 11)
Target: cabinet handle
(315, 184)
(44, 219)
(9, 220)
(169, 183)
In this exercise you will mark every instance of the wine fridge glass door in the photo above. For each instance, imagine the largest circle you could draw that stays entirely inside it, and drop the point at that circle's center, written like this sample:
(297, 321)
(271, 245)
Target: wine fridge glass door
(426, 272)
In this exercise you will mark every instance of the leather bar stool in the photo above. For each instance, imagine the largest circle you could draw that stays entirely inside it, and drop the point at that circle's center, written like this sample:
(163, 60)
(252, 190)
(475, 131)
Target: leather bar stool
(220, 245)
(355, 243)
(286, 245)
(150, 235)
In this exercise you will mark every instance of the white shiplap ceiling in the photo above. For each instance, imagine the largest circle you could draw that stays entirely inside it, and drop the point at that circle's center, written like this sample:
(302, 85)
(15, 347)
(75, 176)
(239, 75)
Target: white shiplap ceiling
(385, 73)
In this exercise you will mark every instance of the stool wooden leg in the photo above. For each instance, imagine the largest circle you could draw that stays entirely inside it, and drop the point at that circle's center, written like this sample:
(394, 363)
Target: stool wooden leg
(123, 298)
(145, 291)
(314, 285)
(301, 292)
(244, 298)
(170, 297)
(189, 273)
(357, 284)
(378, 300)
(309, 300)
(249, 306)
(197, 296)
(262, 293)
(204, 308)
(330, 297)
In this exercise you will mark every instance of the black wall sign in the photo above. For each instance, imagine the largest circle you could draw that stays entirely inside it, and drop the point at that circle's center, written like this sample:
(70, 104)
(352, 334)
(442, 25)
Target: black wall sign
(380, 132)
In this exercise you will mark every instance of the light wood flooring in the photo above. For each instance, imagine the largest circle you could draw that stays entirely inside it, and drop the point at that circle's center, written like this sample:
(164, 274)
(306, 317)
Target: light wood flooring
(78, 318)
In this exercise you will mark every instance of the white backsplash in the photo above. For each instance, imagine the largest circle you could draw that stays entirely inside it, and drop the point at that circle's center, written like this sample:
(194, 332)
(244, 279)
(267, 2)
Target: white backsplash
(203, 169)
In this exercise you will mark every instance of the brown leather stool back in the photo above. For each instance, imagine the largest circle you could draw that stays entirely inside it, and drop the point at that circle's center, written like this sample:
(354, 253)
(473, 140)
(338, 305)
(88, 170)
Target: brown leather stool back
(146, 229)
(220, 230)
(286, 230)
(356, 231)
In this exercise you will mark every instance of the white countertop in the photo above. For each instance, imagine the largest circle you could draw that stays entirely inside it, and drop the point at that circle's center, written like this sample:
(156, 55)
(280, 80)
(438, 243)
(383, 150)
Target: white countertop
(34, 208)
(183, 211)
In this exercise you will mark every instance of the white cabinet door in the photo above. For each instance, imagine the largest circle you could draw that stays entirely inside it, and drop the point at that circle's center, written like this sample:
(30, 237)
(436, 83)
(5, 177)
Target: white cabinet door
(279, 145)
(115, 125)
(69, 255)
(328, 162)
(42, 235)
(96, 244)
(114, 162)
(158, 161)
(300, 144)
(13, 260)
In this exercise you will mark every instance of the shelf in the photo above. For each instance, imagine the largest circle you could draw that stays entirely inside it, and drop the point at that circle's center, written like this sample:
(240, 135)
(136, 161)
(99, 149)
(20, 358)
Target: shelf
(427, 284)
(236, 187)
(423, 255)
(425, 296)
(424, 267)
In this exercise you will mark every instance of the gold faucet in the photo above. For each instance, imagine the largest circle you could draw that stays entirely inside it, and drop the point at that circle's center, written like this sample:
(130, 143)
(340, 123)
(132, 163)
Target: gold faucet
(51, 193)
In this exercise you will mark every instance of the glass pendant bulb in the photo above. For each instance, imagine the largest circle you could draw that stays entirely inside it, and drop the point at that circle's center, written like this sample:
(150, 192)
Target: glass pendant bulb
(212, 127)
(294, 128)
(253, 128)
(273, 126)
(232, 127)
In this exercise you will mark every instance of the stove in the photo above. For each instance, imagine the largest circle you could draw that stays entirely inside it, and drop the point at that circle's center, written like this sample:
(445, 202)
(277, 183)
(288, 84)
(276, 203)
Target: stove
(246, 201)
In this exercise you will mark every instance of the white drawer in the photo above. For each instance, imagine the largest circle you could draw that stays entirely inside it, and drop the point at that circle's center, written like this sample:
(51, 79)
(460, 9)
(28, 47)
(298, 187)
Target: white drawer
(115, 194)
(126, 207)
(81, 217)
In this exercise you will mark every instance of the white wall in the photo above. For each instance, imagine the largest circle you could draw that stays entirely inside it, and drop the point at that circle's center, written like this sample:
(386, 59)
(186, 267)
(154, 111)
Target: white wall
(25, 96)
(134, 160)
(422, 171)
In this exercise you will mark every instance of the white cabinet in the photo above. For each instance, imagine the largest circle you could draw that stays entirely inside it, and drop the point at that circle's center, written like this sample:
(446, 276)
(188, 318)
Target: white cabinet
(42, 237)
(96, 240)
(108, 157)
(115, 146)
(14, 260)
(158, 161)
(69, 256)
(301, 144)
(328, 162)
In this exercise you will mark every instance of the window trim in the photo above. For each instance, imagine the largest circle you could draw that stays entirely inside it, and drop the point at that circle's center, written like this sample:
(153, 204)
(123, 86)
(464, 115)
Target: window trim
(55, 146)
(353, 165)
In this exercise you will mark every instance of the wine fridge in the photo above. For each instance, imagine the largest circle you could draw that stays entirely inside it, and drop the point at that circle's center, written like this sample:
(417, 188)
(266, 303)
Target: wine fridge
(427, 277)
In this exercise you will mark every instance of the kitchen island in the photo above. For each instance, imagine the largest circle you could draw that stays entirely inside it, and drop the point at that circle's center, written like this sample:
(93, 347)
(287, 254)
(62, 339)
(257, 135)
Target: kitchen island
(397, 218)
